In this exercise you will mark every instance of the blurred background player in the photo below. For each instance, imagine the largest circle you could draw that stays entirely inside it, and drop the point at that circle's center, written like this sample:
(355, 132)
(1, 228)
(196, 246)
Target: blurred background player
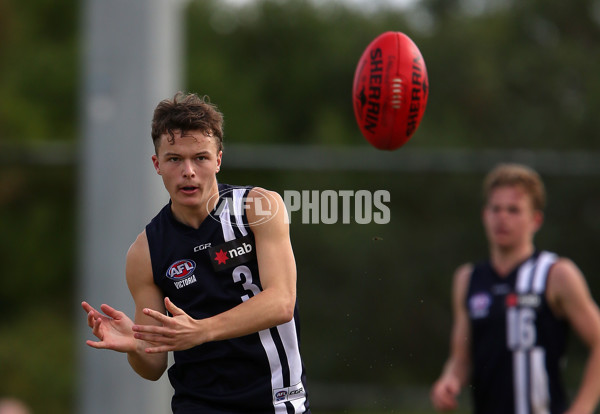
(213, 278)
(512, 313)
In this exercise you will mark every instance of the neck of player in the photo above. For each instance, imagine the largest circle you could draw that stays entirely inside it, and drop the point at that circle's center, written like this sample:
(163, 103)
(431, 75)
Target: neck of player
(505, 259)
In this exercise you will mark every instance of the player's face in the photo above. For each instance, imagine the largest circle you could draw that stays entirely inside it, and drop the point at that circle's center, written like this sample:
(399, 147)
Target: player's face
(188, 166)
(509, 218)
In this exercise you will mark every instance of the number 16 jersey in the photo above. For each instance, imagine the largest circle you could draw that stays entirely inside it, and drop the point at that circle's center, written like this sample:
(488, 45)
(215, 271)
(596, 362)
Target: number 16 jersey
(517, 344)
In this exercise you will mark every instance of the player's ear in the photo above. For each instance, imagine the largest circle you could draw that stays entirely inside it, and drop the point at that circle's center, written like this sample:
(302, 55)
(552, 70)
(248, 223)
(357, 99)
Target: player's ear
(538, 218)
(156, 164)
(219, 158)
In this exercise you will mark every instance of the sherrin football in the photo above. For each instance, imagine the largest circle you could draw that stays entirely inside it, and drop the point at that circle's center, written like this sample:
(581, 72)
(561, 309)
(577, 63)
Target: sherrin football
(390, 90)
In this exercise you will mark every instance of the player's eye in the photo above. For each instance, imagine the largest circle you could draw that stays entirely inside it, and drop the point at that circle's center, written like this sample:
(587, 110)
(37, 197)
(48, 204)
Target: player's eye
(513, 210)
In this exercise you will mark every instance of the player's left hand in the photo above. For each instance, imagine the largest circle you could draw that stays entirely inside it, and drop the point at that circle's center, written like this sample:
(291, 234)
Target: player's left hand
(177, 333)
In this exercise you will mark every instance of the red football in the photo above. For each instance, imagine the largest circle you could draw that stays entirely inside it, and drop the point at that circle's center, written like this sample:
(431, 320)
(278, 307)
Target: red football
(390, 90)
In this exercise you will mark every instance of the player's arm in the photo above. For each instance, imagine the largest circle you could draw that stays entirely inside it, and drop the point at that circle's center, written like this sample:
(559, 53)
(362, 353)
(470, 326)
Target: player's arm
(270, 307)
(456, 370)
(275, 305)
(146, 295)
(569, 297)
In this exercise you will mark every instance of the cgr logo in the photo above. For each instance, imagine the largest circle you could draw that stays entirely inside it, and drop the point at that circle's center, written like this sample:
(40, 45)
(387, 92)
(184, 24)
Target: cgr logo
(181, 269)
(298, 391)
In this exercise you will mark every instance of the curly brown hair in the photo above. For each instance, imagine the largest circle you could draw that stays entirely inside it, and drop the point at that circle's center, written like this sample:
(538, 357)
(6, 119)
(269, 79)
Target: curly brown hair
(516, 175)
(187, 112)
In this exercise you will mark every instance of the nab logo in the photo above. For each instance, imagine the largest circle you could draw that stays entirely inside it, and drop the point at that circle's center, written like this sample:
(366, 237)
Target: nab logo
(530, 300)
(181, 269)
(221, 257)
(232, 253)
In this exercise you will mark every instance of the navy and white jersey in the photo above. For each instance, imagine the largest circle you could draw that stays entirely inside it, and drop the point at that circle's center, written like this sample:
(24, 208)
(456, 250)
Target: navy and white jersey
(517, 342)
(207, 271)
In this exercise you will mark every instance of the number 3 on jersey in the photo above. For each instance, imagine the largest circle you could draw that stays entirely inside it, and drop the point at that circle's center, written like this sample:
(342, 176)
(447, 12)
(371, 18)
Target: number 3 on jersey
(243, 272)
(520, 328)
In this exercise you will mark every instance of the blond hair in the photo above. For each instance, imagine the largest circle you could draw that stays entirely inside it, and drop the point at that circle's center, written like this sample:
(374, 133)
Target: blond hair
(508, 175)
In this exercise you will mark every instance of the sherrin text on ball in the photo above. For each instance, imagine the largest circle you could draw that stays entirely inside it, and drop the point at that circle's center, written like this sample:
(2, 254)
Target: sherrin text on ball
(390, 90)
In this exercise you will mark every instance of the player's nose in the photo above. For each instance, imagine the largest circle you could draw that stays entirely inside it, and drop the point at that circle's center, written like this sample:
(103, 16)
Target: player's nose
(188, 169)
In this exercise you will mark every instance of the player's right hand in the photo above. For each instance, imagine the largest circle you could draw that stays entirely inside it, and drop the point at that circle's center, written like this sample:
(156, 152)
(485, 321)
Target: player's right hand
(444, 394)
(113, 329)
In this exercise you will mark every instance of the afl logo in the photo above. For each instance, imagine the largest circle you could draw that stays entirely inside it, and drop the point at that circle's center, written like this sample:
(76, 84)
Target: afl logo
(280, 395)
(181, 269)
(479, 305)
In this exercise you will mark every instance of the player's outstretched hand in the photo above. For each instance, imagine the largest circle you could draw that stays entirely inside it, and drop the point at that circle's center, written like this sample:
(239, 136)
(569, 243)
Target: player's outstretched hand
(176, 333)
(113, 328)
(444, 394)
